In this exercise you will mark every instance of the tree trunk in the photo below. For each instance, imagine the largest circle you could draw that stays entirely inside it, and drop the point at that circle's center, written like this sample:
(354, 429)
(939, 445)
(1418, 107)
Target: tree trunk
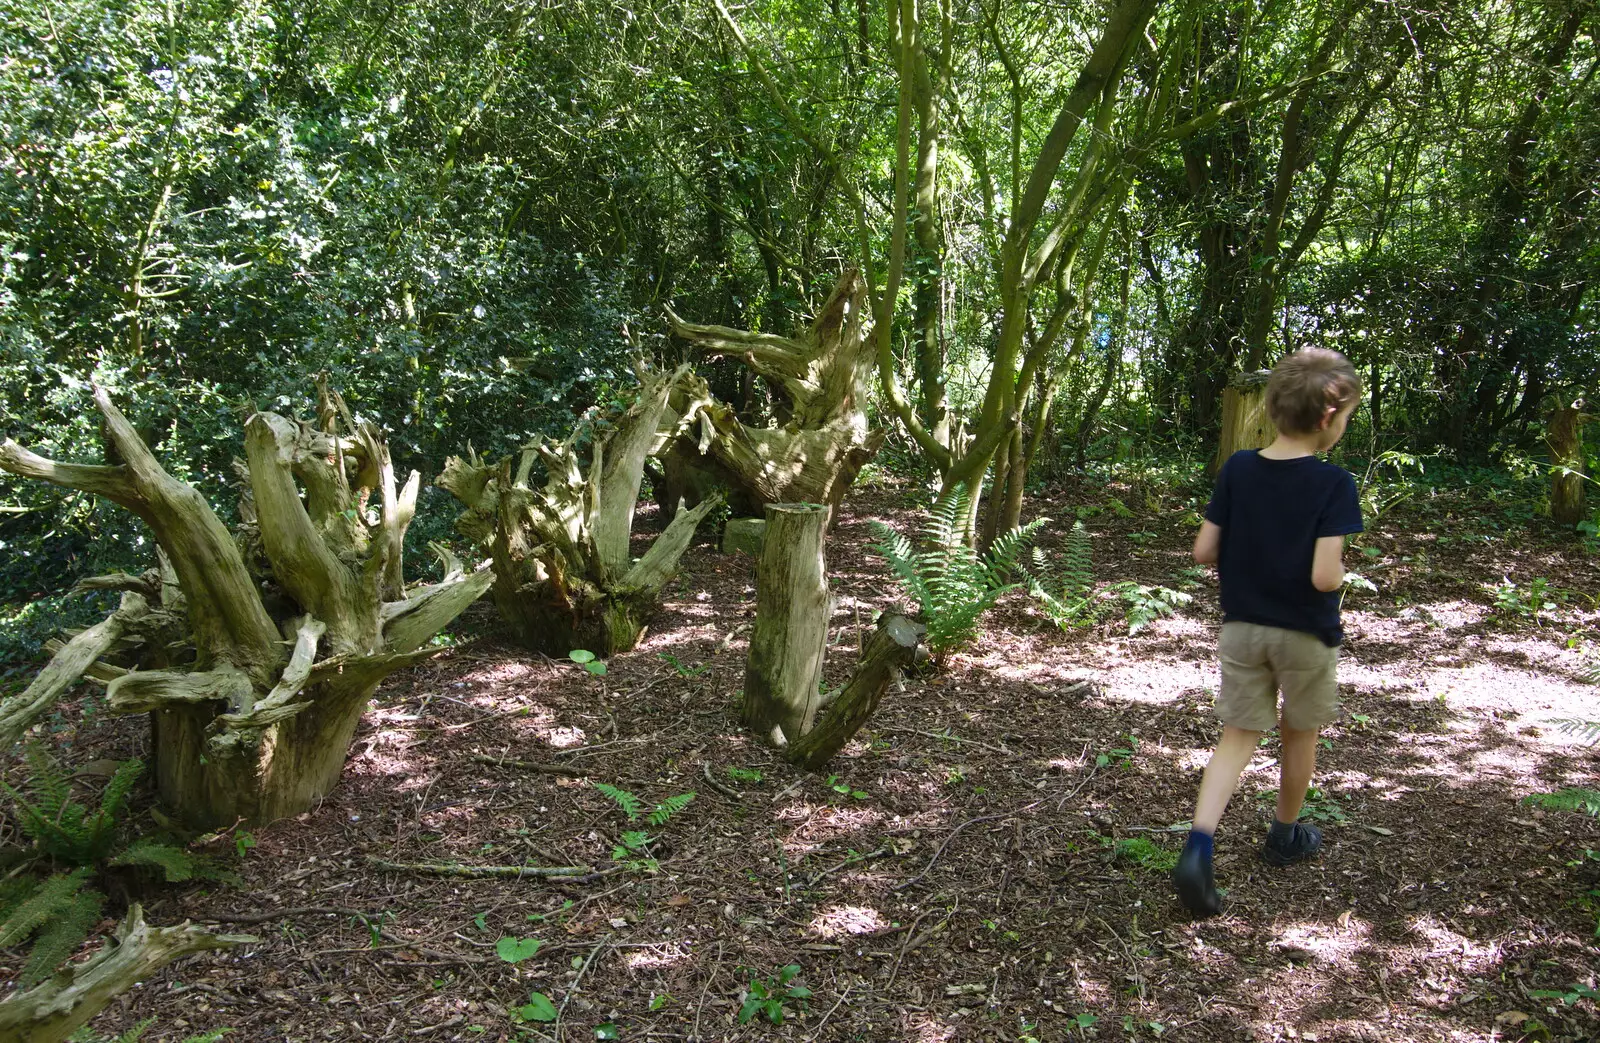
(1564, 438)
(257, 727)
(1245, 423)
(53, 1010)
(563, 578)
(784, 671)
(824, 375)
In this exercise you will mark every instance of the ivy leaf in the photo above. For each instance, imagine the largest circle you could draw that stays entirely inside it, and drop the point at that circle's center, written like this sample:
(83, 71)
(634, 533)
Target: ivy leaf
(515, 950)
(538, 1008)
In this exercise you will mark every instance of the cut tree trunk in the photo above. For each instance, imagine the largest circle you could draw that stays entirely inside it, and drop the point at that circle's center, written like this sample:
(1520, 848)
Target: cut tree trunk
(783, 700)
(562, 575)
(1245, 423)
(784, 671)
(53, 1010)
(823, 378)
(1563, 436)
(257, 725)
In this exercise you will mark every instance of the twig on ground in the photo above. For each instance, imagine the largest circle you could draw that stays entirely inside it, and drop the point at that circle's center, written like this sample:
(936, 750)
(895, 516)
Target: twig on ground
(542, 769)
(969, 822)
(573, 988)
(881, 852)
(726, 791)
(370, 920)
(579, 751)
(842, 997)
(905, 946)
(472, 872)
(447, 1023)
(700, 1007)
(1133, 961)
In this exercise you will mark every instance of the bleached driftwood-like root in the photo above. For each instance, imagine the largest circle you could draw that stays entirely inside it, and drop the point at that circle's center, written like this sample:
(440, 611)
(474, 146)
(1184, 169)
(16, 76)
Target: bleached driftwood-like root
(563, 576)
(252, 724)
(822, 379)
(65, 668)
(53, 1010)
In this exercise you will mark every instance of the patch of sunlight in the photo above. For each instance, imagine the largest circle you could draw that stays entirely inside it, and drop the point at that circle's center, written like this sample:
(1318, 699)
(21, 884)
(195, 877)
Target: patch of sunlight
(819, 823)
(1440, 941)
(657, 956)
(1330, 943)
(839, 920)
(927, 1028)
(540, 723)
(499, 673)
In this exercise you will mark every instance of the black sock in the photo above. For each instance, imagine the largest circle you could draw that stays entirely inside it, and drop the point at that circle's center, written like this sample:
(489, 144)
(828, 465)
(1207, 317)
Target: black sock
(1199, 840)
(1281, 830)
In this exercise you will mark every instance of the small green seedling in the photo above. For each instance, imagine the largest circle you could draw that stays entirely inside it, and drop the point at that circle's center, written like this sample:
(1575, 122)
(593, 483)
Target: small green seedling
(768, 997)
(1146, 854)
(607, 1030)
(844, 789)
(1569, 995)
(515, 950)
(738, 774)
(538, 1008)
(586, 659)
(1118, 756)
(683, 669)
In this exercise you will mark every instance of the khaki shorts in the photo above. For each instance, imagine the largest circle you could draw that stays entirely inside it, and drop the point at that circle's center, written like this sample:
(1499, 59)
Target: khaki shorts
(1258, 661)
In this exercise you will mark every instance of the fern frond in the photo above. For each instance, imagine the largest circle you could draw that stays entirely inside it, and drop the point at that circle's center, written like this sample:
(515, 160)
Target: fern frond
(670, 807)
(1588, 731)
(207, 1037)
(115, 797)
(1572, 798)
(48, 900)
(176, 864)
(68, 928)
(1006, 552)
(49, 787)
(902, 558)
(629, 803)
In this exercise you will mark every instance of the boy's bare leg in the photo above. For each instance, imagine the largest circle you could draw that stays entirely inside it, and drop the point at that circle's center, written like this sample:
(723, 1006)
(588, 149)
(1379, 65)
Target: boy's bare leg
(1227, 763)
(1297, 760)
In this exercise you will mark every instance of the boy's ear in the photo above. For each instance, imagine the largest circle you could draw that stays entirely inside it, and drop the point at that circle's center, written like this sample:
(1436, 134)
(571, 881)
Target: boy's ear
(1327, 417)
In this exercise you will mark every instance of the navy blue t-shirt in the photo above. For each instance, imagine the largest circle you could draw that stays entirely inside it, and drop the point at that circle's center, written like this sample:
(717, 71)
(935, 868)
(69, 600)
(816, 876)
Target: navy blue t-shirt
(1271, 513)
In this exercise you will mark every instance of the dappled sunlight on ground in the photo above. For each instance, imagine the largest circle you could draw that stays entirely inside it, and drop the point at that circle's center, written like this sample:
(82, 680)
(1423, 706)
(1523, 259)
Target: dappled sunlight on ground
(841, 920)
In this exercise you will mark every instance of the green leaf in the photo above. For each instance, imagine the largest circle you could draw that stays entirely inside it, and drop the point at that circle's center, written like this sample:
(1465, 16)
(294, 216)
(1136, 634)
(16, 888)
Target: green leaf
(538, 1008)
(596, 668)
(607, 1030)
(515, 950)
(581, 656)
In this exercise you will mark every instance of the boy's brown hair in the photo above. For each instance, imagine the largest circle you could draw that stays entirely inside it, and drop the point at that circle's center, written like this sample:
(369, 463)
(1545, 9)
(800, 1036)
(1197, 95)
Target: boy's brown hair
(1303, 385)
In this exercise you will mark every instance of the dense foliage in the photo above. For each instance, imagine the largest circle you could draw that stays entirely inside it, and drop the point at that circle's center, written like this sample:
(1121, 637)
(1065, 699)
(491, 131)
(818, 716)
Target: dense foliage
(473, 214)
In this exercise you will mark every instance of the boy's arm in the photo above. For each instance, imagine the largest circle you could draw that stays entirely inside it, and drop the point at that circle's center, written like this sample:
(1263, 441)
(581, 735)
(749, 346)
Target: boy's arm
(1207, 542)
(1327, 563)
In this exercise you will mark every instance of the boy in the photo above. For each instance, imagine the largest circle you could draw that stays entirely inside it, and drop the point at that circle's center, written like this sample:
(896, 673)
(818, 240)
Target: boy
(1275, 529)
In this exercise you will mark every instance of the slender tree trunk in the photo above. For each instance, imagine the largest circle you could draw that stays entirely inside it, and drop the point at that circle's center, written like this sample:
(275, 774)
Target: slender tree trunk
(784, 673)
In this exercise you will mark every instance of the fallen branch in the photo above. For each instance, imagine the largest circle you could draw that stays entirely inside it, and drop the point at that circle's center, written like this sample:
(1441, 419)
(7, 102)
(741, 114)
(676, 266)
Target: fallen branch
(969, 822)
(53, 1010)
(485, 872)
(541, 769)
(18, 713)
(726, 791)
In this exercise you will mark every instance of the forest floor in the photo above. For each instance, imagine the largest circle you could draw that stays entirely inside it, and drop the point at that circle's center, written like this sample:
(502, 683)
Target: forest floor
(985, 862)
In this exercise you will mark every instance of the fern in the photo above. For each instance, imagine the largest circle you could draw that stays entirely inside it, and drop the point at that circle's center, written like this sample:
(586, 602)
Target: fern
(48, 900)
(1143, 604)
(629, 803)
(136, 1034)
(62, 828)
(68, 928)
(1075, 605)
(1588, 731)
(176, 865)
(669, 807)
(1573, 798)
(952, 586)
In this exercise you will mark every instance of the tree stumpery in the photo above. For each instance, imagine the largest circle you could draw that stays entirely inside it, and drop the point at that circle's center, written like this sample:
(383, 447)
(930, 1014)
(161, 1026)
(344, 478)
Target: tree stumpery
(252, 716)
(820, 378)
(563, 576)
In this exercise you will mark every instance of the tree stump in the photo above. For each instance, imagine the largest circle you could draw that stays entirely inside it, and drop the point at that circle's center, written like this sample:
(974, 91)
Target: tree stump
(1245, 423)
(562, 575)
(784, 671)
(822, 379)
(783, 698)
(1563, 436)
(252, 716)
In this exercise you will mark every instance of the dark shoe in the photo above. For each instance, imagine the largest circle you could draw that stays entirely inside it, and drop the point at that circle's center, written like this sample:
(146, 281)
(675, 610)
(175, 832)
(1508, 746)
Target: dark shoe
(1286, 846)
(1197, 886)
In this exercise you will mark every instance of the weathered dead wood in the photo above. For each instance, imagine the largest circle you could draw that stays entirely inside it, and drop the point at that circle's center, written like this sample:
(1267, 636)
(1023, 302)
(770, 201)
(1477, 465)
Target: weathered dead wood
(65, 668)
(53, 1010)
(562, 575)
(782, 698)
(784, 669)
(892, 648)
(1245, 423)
(256, 727)
(821, 378)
